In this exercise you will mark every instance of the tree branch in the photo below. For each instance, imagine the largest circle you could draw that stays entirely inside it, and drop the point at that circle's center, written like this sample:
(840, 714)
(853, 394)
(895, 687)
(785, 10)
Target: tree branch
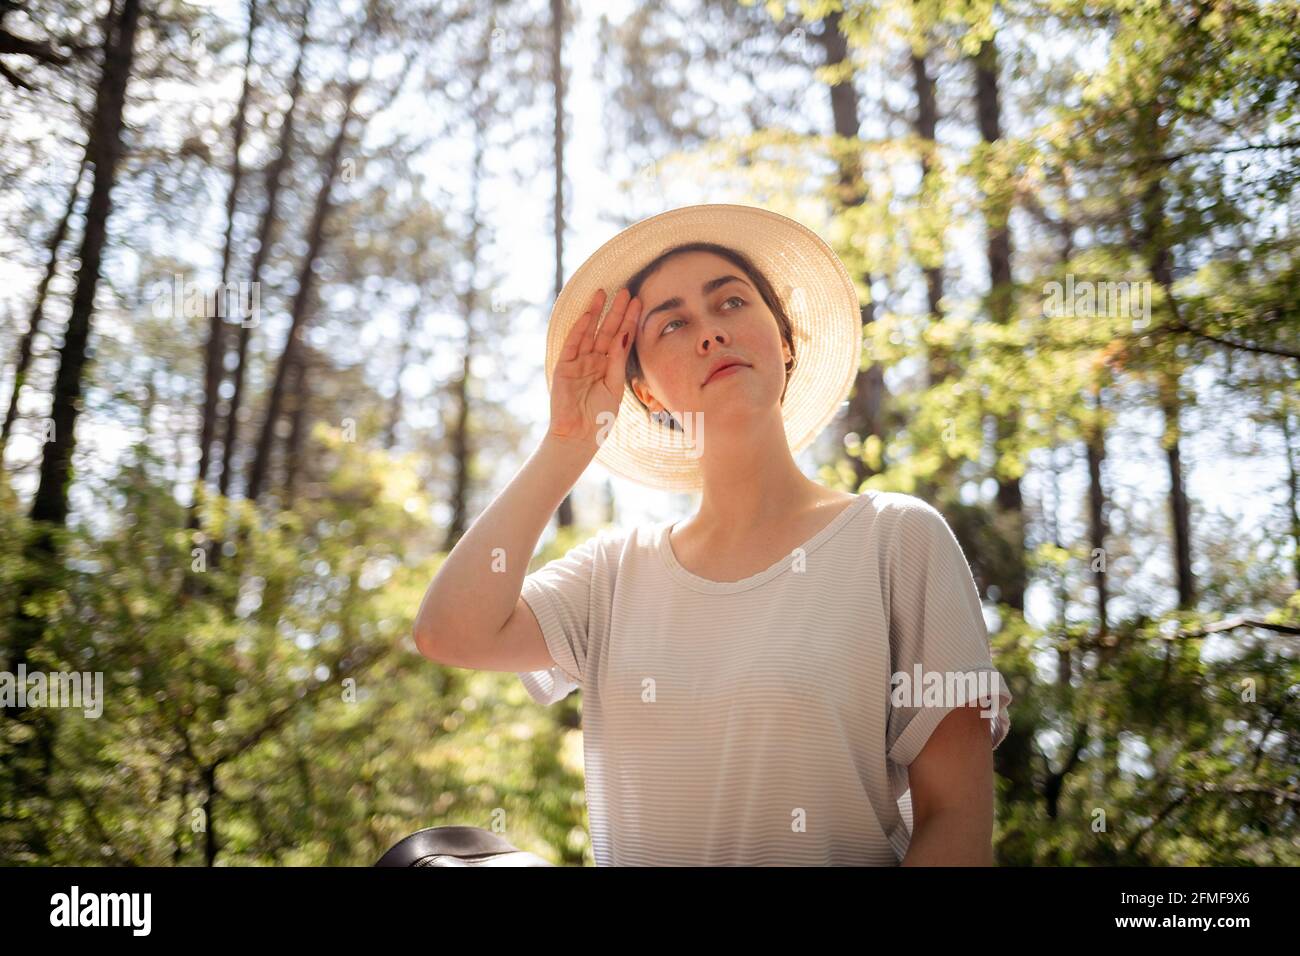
(1229, 343)
(1229, 624)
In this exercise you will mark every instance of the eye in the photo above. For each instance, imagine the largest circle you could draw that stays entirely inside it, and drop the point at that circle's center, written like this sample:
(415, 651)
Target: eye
(668, 325)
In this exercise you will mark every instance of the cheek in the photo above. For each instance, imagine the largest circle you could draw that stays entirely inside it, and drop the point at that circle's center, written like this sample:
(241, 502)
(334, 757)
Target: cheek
(669, 375)
(766, 339)
(761, 345)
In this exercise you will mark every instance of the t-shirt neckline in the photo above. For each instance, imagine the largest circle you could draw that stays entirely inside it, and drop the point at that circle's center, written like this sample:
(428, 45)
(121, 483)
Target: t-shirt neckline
(708, 585)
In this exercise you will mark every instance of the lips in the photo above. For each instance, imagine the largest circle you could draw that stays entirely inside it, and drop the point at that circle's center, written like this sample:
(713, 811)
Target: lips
(724, 364)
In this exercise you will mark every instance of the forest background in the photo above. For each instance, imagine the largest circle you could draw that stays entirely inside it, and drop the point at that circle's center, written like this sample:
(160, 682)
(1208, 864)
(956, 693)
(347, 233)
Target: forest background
(1072, 225)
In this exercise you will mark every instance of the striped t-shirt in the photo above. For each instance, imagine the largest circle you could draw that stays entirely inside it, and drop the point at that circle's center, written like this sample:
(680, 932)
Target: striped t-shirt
(764, 721)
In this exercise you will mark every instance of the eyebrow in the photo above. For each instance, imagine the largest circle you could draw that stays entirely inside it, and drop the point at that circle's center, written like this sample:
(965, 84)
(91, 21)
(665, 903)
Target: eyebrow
(676, 301)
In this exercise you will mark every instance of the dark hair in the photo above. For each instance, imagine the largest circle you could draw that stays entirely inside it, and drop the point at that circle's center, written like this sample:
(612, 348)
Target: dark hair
(752, 272)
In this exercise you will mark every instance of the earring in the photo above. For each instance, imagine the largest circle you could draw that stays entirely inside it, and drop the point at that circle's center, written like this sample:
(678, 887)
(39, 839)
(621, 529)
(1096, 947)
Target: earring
(661, 417)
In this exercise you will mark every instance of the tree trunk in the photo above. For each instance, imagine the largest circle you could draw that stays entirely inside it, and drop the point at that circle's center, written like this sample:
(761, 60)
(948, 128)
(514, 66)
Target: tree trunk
(210, 847)
(306, 287)
(866, 401)
(461, 451)
(29, 762)
(105, 149)
(564, 514)
(1096, 449)
(274, 178)
(459, 437)
(25, 345)
(395, 410)
(1178, 503)
(1292, 484)
(1010, 503)
(1159, 256)
(216, 351)
(939, 364)
(925, 126)
(298, 423)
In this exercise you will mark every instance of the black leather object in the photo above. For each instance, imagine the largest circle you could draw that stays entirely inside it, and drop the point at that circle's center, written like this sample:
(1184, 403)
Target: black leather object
(457, 846)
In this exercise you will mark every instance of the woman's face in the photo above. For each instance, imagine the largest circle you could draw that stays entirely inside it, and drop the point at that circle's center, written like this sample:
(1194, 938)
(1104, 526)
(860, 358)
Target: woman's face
(697, 309)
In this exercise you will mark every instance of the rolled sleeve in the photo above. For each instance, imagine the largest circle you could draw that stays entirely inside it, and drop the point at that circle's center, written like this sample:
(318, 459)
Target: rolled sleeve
(993, 700)
(554, 683)
(560, 595)
(939, 643)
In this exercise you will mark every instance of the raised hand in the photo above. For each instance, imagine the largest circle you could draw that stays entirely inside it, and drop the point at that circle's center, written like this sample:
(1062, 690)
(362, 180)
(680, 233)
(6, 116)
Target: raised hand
(589, 376)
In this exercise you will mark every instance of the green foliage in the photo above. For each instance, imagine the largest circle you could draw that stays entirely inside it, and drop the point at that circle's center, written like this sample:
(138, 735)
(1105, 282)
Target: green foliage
(280, 706)
(264, 703)
(1184, 758)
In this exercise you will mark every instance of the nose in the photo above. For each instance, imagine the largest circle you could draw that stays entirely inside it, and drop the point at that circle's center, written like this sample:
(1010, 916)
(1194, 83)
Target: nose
(713, 340)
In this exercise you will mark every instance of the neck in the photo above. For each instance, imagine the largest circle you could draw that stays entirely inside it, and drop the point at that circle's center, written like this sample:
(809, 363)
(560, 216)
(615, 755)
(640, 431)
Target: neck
(750, 479)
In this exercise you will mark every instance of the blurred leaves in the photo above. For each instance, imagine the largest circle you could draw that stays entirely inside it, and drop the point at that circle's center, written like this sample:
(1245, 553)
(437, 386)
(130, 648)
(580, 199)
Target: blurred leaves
(325, 735)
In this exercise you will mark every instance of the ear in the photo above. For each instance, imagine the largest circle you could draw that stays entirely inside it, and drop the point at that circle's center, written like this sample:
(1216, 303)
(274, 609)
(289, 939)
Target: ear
(642, 391)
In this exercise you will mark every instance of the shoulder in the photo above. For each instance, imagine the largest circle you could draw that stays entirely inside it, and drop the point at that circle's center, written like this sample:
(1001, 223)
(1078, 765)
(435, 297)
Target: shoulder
(615, 550)
(612, 542)
(573, 547)
(906, 512)
(907, 528)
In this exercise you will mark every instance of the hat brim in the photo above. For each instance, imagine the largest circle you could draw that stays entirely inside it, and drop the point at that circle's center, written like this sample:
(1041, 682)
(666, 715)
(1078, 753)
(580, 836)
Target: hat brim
(807, 275)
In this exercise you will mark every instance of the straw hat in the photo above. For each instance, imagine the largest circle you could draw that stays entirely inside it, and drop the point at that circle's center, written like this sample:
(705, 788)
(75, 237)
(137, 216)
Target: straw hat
(810, 280)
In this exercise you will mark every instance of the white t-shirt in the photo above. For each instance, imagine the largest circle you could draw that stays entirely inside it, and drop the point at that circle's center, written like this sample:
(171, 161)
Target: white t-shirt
(751, 722)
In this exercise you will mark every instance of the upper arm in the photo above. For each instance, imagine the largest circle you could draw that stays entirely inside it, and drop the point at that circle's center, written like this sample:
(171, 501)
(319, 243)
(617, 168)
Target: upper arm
(952, 795)
(954, 771)
(518, 646)
(560, 607)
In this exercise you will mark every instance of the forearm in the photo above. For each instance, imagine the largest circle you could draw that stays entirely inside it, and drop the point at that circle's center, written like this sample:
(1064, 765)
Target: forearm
(478, 585)
(950, 838)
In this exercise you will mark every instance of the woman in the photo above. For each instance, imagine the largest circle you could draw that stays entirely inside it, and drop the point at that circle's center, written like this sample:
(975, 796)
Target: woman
(793, 675)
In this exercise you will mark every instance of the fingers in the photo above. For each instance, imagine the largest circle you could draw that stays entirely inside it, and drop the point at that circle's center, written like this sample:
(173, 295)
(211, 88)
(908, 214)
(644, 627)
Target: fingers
(615, 333)
(623, 337)
(574, 341)
(611, 330)
(599, 339)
